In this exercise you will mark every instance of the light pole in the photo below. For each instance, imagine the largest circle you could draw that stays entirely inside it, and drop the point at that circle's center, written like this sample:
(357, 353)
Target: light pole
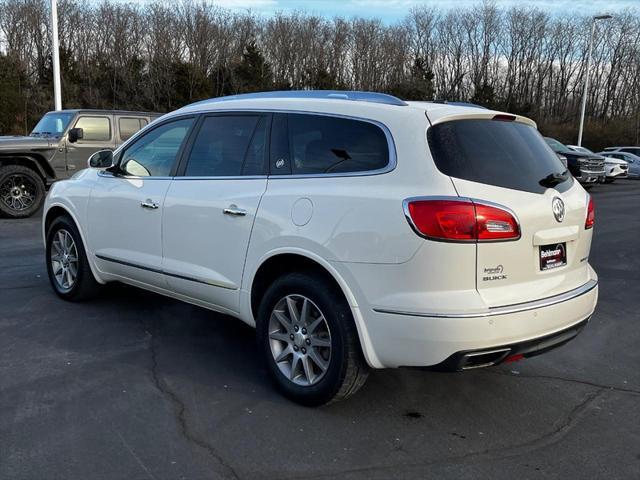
(57, 92)
(586, 73)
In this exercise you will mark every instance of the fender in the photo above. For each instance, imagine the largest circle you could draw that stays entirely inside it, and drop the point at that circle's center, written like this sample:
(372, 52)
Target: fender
(78, 225)
(37, 162)
(246, 313)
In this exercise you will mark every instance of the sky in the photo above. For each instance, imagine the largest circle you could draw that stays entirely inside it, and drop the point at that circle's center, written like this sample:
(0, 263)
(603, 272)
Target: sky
(392, 10)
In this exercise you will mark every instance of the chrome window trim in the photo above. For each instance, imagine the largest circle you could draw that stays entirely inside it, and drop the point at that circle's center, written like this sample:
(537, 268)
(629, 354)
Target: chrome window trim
(104, 173)
(407, 215)
(505, 309)
(230, 177)
(391, 145)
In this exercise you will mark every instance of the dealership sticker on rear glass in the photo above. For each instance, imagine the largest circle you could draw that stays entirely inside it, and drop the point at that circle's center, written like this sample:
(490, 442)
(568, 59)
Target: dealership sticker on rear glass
(553, 256)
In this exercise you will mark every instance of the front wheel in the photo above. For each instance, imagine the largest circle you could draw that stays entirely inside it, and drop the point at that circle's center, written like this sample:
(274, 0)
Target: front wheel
(309, 340)
(21, 191)
(67, 265)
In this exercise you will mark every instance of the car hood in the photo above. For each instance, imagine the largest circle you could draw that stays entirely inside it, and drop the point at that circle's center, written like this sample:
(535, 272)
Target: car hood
(577, 155)
(17, 142)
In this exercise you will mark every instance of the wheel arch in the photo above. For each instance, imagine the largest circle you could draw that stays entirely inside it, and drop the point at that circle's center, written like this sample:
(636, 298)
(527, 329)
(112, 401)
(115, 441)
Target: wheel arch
(35, 162)
(280, 262)
(56, 210)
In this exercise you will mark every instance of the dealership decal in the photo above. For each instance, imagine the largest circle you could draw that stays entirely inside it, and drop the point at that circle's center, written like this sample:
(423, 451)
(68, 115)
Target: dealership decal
(494, 273)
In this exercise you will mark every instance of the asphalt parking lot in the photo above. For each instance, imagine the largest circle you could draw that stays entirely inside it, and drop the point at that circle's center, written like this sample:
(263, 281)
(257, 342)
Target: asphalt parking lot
(137, 386)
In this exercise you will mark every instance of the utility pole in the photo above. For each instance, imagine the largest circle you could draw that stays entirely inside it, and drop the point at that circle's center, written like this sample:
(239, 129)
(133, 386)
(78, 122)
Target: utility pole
(586, 73)
(57, 89)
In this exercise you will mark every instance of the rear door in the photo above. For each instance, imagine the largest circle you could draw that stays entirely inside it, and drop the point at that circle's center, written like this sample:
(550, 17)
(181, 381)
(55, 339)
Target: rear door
(211, 206)
(508, 163)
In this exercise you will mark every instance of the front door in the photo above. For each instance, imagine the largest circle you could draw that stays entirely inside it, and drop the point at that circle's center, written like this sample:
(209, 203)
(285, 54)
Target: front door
(98, 134)
(126, 205)
(211, 206)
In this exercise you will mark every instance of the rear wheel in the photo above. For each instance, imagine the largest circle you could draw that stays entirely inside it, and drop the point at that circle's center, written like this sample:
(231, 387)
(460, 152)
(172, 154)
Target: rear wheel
(309, 340)
(67, 264)
(21, 191)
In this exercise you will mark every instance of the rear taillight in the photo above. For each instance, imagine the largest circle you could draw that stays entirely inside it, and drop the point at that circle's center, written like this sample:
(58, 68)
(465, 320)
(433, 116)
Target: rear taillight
(591, 214)
(461, 220)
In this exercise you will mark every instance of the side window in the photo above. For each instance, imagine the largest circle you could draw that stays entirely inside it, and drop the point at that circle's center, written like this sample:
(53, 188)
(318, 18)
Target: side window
(154, 154)
(226, 146)
(635, 151)
(128, 126)
(95, 129)
(323, 144)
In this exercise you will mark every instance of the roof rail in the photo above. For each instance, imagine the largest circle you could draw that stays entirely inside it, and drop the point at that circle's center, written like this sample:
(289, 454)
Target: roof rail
(372, 97)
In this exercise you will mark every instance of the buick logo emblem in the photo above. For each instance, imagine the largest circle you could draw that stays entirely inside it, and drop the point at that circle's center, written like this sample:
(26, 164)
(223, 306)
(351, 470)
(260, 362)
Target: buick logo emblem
(557, 206)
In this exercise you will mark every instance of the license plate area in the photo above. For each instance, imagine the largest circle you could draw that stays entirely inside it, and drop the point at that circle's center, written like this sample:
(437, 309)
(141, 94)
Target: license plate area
(553, 256)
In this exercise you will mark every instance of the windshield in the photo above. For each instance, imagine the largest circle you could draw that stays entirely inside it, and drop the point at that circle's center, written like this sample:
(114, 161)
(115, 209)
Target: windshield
(505, 154)
(557, 146)
(53, 123)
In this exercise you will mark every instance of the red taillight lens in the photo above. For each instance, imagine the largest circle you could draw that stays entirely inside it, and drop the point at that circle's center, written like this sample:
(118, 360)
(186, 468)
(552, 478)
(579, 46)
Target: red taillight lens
(591, 215)
(495, 223)
(461, 220)
(445, 219)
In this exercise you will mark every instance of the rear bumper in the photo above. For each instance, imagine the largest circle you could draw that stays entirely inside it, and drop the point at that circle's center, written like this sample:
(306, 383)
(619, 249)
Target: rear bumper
(411, 339)
(472, 359)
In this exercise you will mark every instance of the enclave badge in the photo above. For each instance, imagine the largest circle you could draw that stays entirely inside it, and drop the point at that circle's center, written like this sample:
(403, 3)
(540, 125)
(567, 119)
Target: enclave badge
(557, 206)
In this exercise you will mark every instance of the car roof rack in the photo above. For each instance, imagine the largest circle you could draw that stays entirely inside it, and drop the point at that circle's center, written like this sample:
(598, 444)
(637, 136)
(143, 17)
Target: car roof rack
(458, 104)
(356, 96)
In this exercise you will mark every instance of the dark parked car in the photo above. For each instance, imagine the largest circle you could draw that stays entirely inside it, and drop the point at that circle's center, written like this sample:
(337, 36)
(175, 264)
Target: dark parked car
(58, 146)
(585, 167)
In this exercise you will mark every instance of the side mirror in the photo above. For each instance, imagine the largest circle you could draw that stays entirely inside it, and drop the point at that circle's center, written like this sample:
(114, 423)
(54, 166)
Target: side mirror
(101, 159)
(75, 134)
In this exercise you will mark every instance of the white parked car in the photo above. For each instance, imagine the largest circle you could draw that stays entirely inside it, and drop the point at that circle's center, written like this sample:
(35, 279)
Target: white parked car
(354, 230)
(632, 161)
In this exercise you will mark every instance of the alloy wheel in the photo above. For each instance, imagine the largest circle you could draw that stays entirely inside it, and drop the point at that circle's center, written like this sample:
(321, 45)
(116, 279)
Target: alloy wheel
(18, 192)
(64, 260)
(300, 340)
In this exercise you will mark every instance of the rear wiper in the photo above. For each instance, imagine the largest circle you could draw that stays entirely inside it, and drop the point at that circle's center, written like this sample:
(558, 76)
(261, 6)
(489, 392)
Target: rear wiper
(554, 179)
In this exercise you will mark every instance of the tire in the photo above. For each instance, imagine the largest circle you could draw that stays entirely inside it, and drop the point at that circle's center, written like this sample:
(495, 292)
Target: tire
(609, 180)
(333, 343)
(84, 285)
(21, 191)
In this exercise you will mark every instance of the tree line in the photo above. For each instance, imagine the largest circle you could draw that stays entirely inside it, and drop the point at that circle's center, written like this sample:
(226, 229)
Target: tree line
(160, 56)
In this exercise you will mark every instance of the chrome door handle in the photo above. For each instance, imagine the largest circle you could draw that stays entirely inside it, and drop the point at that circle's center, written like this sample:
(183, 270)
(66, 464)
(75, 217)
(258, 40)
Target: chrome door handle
(149, 204)
(235, 211)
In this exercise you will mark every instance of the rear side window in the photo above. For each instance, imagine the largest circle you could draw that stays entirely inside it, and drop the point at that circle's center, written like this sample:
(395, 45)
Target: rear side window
(505, 154)
(94, 129)
(228, 146)
(129, 125)
(321, 144)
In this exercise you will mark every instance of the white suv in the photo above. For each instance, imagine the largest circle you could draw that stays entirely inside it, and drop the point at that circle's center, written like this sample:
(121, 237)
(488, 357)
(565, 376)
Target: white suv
(354, 230)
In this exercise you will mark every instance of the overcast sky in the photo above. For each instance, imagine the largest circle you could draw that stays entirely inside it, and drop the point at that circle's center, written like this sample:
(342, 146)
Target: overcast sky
(391, 10)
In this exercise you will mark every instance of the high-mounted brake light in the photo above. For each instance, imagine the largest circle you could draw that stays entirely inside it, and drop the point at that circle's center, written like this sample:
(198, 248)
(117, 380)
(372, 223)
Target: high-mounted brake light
(504, 117)
(461, 220)
(591, 214)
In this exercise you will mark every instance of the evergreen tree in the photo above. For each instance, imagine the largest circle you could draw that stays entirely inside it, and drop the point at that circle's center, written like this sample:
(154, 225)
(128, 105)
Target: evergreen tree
(253, 73)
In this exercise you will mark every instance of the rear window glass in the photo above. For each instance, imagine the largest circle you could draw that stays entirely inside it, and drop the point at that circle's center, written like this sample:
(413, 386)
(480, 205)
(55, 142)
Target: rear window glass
(323, 144)
(505, 154)
(128, 126)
